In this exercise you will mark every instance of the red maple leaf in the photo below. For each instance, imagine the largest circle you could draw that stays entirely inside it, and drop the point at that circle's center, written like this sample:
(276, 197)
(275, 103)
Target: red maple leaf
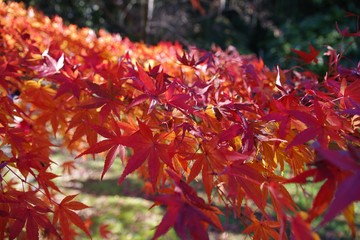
(26, 210)
(323, 171)
(349, 164)
(345, 32)
(67, 167)
(279, 112)
(70, 81)
(249, 179)
(82, 122)
(344, 196)
(113, 143)
(50, 66)
(341, 170)
(64, 213)
(152, 84)
(177, 100)
(319, 126)
(33, 220)
(186, 212)
(146, 80)
(212, 161)
(186, 60)
(44, 181)
(263, 229)
(146, 146)
(301, 229)
(307, 57)
(104, 231)
(106, 96)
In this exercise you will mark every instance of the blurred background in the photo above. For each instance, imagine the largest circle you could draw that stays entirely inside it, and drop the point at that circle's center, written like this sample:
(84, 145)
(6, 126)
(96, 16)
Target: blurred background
(267, 28)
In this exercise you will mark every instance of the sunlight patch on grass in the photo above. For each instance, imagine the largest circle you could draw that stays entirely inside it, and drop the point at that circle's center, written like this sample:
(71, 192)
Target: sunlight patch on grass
(128, 218)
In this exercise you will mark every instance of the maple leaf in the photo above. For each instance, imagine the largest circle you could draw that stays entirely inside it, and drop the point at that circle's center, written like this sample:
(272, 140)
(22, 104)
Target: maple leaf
(201, 164)
(151, 86)
(26, 162)
(308, 57)
(104, 231)
(146, 146)
(8, 69)
(249, 179)
(70, 81)
(351, 94)
(50, 66)
(186, 212)
(32, 220)
(323, 171)
(318, 126)
(146, 80)
(281, 199)
(183, 217)
(211, 162)
(112, 143)
(44, 180)
(177, 100)
(50, 109)
(66, 216)
(27, 210)
(323, 198)
(302, 229)
(341, 171)
(152, 82)
(82, 121)
(106, 97)
(186, 60)
(264, 229)
(345, 160)
(345, 32)
(191, 62)
(344, 196)
(68, 166)
(279, 113)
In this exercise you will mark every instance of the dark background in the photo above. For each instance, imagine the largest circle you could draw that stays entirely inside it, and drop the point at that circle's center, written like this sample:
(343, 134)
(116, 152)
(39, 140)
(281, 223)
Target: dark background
(268, 28)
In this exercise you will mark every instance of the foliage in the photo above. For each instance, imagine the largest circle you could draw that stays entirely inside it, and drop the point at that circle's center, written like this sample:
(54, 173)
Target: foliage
(173, 117)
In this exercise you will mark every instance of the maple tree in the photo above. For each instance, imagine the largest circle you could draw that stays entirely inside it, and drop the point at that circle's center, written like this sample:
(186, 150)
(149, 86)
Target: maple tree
(174, 117)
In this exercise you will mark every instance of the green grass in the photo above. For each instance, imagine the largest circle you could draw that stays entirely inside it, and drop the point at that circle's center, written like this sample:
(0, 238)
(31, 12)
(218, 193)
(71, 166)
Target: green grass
(127, 217)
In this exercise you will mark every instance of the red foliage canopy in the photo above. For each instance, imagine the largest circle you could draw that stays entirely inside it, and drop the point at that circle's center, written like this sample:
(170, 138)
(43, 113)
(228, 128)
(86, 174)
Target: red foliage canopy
(218, 117)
